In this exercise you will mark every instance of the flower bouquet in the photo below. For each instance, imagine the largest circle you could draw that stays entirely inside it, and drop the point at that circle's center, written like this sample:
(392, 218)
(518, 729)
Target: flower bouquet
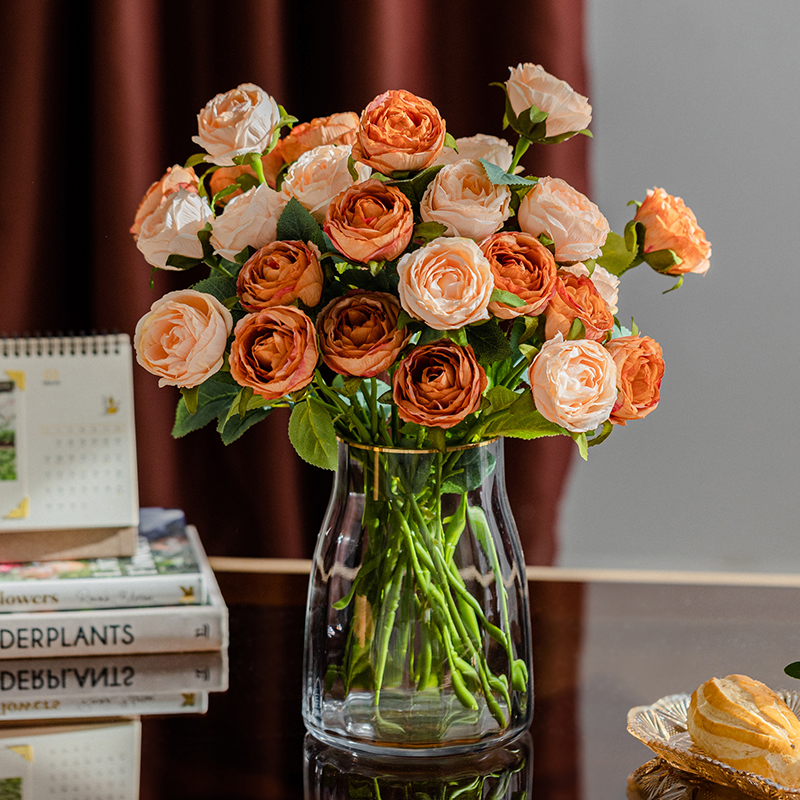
(413, 299)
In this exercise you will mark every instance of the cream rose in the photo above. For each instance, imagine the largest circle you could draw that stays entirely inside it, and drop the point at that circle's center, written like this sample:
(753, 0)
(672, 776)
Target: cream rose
(531, 85)
(566, 216)
(399, 132)
(249, 219)
(318, 176)
(182, 338)
(237, 122)
(607, 285)
(490, 148)
(466, 201)
(335, 129)
(446, 284)
(173, 228)
(176, 177)
(574, 383)
(671, 225)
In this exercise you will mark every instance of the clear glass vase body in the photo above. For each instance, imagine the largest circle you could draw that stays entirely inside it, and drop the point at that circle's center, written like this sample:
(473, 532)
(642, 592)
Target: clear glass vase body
(417, 624)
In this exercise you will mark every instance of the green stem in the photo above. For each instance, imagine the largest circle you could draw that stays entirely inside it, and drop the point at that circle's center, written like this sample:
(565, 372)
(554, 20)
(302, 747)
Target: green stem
(258, 168)
(522, 146)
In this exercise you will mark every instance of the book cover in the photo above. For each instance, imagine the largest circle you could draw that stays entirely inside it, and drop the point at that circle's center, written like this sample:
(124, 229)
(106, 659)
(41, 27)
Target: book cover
(100, 705)
(165, 571)
(159, 629)
(38, 678)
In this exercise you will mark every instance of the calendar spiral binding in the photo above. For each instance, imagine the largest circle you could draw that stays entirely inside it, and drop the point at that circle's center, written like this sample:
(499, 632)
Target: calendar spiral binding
(63, 345)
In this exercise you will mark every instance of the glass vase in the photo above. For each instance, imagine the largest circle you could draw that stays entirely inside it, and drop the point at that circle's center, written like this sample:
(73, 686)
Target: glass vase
(417, 624)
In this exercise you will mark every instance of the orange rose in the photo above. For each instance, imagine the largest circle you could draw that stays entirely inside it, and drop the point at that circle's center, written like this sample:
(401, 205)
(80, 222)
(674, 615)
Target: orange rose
(358, 333)
(274, 351)
(522, 265)
(280, 273)
(399, 132)
(577, 297)
(670, 225)
(182, 338)
(640, 368)
(438, 384)
(176, 177)
(335, 129)
(370, 221)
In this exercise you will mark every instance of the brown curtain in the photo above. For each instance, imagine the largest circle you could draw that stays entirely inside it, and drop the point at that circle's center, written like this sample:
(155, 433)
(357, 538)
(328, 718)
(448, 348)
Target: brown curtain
(100, 97)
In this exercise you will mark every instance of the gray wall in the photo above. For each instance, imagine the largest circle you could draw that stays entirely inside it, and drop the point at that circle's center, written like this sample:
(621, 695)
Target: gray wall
(702, 98)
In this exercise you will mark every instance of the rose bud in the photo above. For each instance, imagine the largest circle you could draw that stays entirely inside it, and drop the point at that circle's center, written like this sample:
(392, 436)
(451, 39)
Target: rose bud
(237, 122)
(358, 333)
(522, 265)
(462, 198)
(370, 221)
(279, 273)
(640, 368)
(274, 351)
(438, 384)
(577, 298)
(606, 284)
(447, 283)
(531, 85)
(573, 383)
(399, 132)
(182, 338)
(176, 177)
(670, 225)
(335, 129)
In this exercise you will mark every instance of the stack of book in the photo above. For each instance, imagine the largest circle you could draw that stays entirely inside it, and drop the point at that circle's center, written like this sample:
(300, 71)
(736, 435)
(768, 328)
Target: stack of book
(145, 634)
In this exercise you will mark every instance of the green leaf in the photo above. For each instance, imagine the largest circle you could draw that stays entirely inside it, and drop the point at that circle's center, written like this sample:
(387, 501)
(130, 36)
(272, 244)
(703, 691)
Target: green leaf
(312, 434)
(437, 437)
(297, 224)
(222, 193)
(509, 298)
(470, 468)
(499, 177)
(190, 398)
(523, 329)
(414, 187)
(449, 141)
(218, 286)
(500, 397)
(634, 237)
(197, 158)
(404, 318)
(425, 232)
(430, 335)
(577, 330)
(244, 398)
(182, 262)
(616, 257)
(522, 425)
(488, 342)
(793, 669)
(237, 425)
(213, 398)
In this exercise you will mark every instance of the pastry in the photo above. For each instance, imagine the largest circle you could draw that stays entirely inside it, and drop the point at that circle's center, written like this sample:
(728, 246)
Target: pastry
(743, 723)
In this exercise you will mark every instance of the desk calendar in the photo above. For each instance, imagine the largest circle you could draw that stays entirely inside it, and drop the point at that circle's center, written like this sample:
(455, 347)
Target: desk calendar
(67, 440)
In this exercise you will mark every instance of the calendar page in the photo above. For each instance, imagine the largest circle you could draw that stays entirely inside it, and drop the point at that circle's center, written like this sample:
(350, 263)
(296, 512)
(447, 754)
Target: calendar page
(67, 439)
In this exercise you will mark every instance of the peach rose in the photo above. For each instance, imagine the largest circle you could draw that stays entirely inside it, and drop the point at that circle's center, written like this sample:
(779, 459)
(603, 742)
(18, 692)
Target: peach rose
(607, 285)
(249, 219)
(574, 383)
(335, 129)
(670, 225)
(640, 368)
(490, 148)
(318, 176)
(358, 333)
(466, 201)
(399, 132)
(438, 384)
(370, 221)
(566, 216)
(531, 85)
(447, 283)
(237, 122)
(176, 177)
(274, 351)
(522, 265)
(577, 298)
(173, 228)
(182, 338)
(279, 273)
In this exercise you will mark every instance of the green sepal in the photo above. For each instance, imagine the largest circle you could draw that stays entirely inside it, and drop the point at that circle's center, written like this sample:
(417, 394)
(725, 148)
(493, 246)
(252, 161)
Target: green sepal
(583, 445)
(214, 398)
(436, 437)
(182, 262)
(189, 395)
(605, 432)
(523, 329)
(347, 386)
(297, 224)
(488, 342)
(449, 141)
(193, 161)
(351, 168)
(414, 187)
(457, 335)
(576, 331)
(222, 193)
(509, 298)
(634, 234)
(635, 327)
(499, 177)
(425, 232)
(387, 398)
(662, 260)
(616, 258)
(312, 434)
(676, 286)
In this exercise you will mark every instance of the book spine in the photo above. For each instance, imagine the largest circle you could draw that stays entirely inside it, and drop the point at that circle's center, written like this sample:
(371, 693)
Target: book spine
(113, 631)
(37, 678)
(68, 594)
(104, 706)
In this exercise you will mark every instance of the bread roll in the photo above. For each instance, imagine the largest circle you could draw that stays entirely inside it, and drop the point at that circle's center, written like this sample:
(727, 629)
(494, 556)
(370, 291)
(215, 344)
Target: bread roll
(743, 723)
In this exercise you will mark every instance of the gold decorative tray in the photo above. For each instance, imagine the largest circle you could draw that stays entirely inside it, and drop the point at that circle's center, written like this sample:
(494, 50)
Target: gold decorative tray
(662, 727)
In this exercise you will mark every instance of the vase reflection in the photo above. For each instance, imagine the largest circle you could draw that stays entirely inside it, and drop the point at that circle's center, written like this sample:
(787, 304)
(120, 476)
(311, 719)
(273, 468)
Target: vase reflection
(503, 773)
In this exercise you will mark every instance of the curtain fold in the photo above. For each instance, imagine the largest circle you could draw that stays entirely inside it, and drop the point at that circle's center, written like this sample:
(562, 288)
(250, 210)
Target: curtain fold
(103, 96)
